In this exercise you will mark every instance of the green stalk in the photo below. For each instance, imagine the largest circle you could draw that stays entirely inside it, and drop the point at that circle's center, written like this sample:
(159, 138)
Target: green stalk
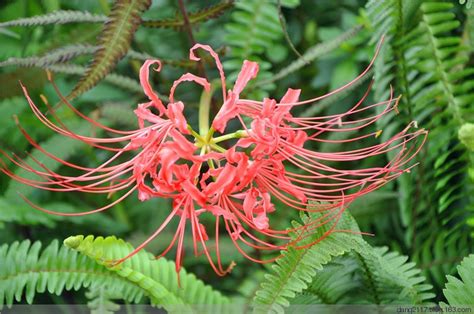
(204, 110)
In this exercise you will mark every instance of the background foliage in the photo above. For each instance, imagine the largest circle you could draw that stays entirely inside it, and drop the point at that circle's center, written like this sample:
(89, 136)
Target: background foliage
(423, 223)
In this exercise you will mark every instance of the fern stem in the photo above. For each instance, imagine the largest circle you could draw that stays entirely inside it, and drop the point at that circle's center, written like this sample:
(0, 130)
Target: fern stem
(370, 279)
(401, 61)
(189, 32)
(402, 75)
(285, 33)
(311, 54)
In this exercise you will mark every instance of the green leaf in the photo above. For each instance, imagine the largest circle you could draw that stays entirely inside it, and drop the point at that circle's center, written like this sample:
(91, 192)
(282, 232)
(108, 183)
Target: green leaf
(60, 55)
(312, 54)
(293, 272)
(466, 135)
(115, 40)
(25, 271)
(387, 277)
(461, 291)
(425, 60)
(57, 17)
(156, 277)
(112, 78)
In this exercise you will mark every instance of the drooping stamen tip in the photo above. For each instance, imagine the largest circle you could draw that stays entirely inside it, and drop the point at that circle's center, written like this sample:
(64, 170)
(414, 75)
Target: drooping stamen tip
(15, 118)
(49, 75)
(44, 99)
(395, 107)
(231, 266)
(378, 133)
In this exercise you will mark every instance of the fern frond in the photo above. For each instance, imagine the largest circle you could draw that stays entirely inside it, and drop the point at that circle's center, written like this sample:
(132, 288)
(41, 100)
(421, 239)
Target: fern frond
(60, 55)
(439, 254)
(468, 3)
(440, 100)
(195, 18)
(112, 78)
(461, 291)
(388, 278)
(27, 271)
(157, 278)
(100, 300)
(331, 285)
(293, 272)
(69, 52)
(312, 54)
(58, 17)
(115, 41)
(253, 30)
(369, 276)
(427, 62)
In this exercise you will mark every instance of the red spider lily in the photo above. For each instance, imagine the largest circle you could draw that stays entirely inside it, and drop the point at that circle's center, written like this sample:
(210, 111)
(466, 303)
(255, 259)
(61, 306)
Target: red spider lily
(238, 184)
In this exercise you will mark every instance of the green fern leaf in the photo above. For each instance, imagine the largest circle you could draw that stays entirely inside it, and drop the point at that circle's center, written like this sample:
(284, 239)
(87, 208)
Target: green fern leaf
(425, 60)
(253, 31)
(466, 135)
(60, 55)
(26, 271)
(468, 3)
(293, 272)
(461, 292)
(332, 285)
(156, 277)
(390, 279)
(115, 41)
(312, 54)
(195, 18)
(57, 17)
(112, 78)
(387, 277)
(100, 300)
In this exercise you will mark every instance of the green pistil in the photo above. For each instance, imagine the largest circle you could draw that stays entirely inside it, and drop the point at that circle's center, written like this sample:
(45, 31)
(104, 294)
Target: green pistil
(204, 138)
(212, 142)
(204, 109)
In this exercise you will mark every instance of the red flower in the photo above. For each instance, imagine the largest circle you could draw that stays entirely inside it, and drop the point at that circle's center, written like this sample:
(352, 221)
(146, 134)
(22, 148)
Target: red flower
(271, 159)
